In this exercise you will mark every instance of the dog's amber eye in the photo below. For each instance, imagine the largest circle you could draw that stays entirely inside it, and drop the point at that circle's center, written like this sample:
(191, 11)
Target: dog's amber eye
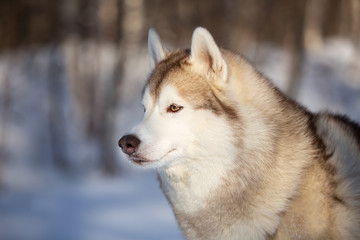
(174, 108)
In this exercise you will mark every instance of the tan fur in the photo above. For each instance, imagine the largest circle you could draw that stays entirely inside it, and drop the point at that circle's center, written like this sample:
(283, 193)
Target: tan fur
(294, 175)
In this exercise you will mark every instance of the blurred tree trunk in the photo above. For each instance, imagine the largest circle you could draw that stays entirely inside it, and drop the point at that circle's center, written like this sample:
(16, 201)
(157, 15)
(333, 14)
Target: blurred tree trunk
(332, 17)
(131, 31)
(355, 13)
(345, 19)
(314, 13)
(58, 128)
(108, 101)
(5, 101)
(294, 43)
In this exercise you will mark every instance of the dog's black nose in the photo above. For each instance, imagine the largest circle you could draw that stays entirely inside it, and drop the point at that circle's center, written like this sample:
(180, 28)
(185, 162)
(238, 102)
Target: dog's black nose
(129, 144)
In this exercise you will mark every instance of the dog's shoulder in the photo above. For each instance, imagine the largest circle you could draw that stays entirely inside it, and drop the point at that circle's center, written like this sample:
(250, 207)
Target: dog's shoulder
(337, 130)
(341, 138)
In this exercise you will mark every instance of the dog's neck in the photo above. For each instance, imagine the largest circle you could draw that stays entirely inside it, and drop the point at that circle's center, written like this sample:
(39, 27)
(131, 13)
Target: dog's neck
(191, 182)
(206, 193)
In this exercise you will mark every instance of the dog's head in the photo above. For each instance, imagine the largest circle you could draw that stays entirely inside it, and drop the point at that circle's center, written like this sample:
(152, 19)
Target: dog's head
(187, 108)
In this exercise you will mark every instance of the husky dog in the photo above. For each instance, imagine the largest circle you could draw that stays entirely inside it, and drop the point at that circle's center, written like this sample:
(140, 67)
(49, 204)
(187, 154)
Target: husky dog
(236, 158)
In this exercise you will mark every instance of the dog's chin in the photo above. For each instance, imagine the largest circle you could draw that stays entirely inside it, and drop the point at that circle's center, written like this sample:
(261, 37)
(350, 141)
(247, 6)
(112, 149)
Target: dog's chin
(143, 161)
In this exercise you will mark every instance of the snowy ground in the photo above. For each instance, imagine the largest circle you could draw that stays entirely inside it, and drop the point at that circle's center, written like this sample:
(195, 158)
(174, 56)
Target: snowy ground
(131, 205)
(128, 207)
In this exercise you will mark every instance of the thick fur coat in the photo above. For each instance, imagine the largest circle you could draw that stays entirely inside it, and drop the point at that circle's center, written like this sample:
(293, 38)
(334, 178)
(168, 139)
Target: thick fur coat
(236, 158)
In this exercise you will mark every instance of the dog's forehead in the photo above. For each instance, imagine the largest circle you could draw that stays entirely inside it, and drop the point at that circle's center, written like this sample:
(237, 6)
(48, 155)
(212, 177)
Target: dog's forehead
(160, 76)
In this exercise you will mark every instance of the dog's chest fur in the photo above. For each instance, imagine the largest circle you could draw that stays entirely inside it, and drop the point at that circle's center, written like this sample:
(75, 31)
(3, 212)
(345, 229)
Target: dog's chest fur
(209, 206)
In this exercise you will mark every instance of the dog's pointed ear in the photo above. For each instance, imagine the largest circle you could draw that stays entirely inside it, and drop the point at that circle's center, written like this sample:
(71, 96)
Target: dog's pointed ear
(156, 51)
(205, 53)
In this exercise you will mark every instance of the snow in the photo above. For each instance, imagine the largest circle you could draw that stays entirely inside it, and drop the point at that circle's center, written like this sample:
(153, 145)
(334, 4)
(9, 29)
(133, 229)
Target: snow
(37, 203)
(130, 206)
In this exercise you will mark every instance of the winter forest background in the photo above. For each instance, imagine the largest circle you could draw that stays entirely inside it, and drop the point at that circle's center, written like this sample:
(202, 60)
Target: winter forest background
(71, 75)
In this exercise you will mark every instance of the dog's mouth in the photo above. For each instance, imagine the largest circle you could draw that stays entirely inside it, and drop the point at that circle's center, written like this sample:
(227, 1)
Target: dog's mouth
(141, 161)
